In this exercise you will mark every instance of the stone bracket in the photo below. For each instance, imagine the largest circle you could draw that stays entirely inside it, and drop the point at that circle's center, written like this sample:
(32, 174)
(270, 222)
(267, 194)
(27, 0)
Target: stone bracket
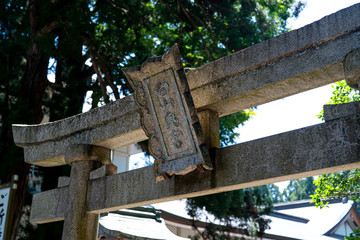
(87, 152)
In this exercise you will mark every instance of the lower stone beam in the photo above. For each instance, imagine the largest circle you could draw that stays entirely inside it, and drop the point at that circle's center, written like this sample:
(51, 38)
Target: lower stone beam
(329, 147)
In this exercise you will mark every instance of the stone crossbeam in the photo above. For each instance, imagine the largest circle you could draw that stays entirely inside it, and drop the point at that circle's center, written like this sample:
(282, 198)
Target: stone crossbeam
(112, 126)
(291, 63)
(324, 148)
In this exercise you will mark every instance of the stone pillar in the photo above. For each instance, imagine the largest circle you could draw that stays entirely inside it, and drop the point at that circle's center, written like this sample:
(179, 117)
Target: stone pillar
(352, 69)
(209, 121)
(82, 158)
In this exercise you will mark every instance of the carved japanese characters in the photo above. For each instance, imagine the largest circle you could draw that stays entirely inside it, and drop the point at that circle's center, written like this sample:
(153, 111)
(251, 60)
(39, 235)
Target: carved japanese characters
(168, 115)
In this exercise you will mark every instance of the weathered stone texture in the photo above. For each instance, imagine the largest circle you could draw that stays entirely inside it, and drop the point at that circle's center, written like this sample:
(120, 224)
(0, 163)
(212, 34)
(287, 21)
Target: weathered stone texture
(49, 206)
(85, 152)
(83, 158)
(300, 71)
(336, 111)
(168, 115)
(293, 62)
(324, 148)
(106, 170)
(122, 129)
(209, 121)
(309, 36)
(78, 224)
(63, 181)
(79, 123)
(352, 69)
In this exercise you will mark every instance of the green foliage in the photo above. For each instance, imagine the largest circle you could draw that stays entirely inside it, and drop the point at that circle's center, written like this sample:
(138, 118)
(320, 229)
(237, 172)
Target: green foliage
(354, 236)
(299, 189)
(241, 208)
(342, 94)
(343, 184)
(337, 185)
(229, 122)
(276, 195)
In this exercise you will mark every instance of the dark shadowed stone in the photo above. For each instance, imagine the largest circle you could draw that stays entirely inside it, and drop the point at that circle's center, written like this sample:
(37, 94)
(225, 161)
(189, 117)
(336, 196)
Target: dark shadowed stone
(336, 111)
(352, 69)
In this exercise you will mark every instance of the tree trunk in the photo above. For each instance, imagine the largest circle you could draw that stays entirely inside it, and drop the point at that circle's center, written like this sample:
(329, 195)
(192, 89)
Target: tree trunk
(33, 85)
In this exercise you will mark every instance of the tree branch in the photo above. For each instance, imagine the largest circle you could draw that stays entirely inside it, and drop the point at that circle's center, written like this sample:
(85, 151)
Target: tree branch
(207, 26)
(48, 28)
(108, 80)
(186, 11)
(97, 69)
(111, 3)
(103, 66)
(180, 20)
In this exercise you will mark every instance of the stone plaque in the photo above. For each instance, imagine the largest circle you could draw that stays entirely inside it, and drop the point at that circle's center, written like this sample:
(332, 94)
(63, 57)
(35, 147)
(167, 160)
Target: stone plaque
(168, 115)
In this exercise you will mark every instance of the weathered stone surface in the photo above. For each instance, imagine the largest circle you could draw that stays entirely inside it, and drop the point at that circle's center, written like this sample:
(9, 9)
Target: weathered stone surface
(111, 126)
(333, 112)
(106, 170)
(50, 206)
(209, 121)
(83, 158)
(63, 181)
(306, 69)
(97, 117)
(352, 69)
(168, 115)
(312, 56)
(86, 152)
(296, 41)
(324, 148)
(78, 224)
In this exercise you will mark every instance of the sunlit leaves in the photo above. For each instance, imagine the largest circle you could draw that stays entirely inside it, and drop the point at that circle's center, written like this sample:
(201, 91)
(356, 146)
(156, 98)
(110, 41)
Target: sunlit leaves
(242, 208)
(354, 236)
(337, 185)
(343, 184)
(229, 122)
(342, 93)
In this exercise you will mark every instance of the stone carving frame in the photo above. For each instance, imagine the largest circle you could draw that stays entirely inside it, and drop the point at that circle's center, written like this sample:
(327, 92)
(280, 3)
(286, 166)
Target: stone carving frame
(168, 115)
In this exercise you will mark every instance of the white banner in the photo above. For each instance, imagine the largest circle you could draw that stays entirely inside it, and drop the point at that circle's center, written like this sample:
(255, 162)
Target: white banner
(4, 200)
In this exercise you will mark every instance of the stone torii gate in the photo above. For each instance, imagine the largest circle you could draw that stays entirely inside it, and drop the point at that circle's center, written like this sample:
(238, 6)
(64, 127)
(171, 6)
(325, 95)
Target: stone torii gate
(323, 52)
